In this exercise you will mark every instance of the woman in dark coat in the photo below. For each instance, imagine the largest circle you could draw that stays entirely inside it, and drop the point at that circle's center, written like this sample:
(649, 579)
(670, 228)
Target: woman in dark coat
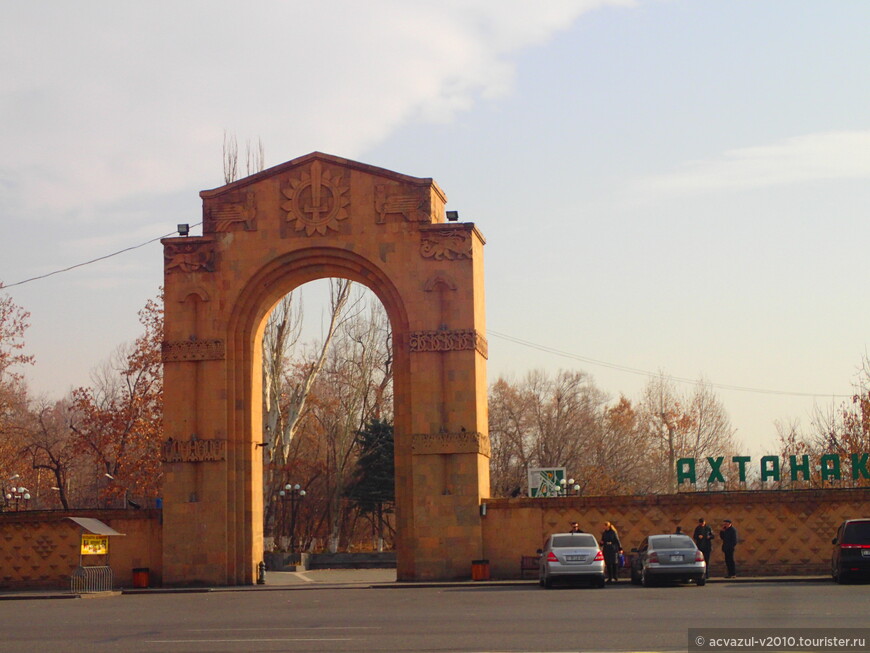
(611, 548)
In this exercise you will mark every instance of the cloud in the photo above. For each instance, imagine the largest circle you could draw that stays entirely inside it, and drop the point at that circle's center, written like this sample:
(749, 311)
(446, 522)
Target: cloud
(103, 100)
(813, 157)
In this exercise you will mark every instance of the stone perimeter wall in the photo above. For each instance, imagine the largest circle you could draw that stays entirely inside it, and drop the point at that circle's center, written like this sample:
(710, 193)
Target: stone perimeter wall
(40, 549)
(781, 533)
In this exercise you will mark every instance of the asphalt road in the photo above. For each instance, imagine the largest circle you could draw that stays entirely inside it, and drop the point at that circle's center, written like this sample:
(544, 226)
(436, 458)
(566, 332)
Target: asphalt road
(463, 618)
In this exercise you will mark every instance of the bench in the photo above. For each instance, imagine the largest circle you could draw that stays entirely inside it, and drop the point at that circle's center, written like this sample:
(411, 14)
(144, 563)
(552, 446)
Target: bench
(528, 563)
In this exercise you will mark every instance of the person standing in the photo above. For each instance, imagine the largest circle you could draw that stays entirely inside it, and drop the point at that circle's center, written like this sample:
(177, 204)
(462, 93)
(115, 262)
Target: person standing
(575, 528)
(728, 535)
(611, 549)
(703, 537)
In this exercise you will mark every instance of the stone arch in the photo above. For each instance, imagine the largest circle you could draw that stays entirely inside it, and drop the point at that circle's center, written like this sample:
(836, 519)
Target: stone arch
(321, 216)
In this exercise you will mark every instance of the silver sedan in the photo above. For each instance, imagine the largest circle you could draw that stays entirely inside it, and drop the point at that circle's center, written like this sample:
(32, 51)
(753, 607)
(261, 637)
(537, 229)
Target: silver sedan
(667, 557)
(571, 556)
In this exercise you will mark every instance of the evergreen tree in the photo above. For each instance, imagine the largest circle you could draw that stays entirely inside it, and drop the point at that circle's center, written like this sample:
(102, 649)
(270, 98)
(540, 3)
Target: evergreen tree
(373, 489)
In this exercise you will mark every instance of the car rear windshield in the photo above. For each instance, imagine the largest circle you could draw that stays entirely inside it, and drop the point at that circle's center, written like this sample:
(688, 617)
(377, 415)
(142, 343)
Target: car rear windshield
(857, 532)
(575, 540)
(671, 542)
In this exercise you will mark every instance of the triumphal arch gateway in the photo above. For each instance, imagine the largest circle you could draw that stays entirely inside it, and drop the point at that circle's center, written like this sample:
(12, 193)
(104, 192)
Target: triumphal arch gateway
(315, 217)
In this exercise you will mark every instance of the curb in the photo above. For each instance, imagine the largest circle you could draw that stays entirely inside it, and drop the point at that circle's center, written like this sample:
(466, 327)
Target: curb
(25, 595)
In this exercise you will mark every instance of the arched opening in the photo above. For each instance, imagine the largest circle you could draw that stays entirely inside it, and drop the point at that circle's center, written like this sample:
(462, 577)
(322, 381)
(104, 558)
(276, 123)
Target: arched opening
(327, 408)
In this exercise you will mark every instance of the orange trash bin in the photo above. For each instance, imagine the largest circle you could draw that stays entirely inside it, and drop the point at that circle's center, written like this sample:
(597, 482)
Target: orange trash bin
(140, 577)
(480, 570)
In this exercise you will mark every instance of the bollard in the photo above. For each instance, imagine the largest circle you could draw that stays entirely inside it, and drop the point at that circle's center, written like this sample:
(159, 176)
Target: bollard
(261, 573)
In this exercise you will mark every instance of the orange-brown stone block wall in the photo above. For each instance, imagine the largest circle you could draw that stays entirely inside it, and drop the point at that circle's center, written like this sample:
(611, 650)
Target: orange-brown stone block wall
(40, 549)
(781, 533)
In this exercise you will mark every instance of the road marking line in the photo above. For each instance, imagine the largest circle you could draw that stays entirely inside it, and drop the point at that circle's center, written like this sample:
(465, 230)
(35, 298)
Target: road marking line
(212, 630)
(226, 641)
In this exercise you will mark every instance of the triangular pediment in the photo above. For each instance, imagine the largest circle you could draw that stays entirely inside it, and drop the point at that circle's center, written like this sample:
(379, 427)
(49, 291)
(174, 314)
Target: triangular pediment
(314, 194)
(306, 160)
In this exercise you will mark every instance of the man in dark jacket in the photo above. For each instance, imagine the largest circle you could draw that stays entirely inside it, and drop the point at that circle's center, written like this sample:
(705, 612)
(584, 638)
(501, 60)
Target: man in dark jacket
(703, 537)
(728, 535)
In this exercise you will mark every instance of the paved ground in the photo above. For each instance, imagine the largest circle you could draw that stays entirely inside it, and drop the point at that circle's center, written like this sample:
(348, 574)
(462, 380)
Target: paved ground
(353, 612)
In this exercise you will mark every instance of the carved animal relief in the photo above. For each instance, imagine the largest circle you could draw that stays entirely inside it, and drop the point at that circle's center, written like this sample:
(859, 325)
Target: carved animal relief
(231, 216)
(189, 256)
(412, 207)
(447, 244)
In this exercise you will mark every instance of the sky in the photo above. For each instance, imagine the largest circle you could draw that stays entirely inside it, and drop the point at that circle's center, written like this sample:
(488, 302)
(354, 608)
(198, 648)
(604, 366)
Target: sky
(665, 186)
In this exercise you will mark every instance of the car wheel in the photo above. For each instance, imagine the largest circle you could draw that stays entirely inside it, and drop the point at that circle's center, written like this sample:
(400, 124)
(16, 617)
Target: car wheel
(599, 582)
(645, 579)
(634, 578)
(700, 582)
(548, 582)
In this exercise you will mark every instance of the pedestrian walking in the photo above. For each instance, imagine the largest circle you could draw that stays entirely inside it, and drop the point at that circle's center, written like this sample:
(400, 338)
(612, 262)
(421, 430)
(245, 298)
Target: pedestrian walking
(611, 548)
(728, 535)
(703, 537)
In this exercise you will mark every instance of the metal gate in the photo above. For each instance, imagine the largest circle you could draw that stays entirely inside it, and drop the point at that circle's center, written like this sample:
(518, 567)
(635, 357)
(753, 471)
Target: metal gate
(86, 580)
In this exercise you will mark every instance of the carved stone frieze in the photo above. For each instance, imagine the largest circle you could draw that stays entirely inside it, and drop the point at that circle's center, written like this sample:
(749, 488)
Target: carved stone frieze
(189, 255)
(446, 244)
(232, 216)
(193, 350)
(461, 442)
(414, 207)
(194, 451)
(443, 340)
(316, 200)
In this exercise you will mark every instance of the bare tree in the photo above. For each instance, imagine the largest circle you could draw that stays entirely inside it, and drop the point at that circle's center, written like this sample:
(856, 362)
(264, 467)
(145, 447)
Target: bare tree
(255, 158)
(354, 388)
(288, 386)
(682, 426)
(52, 447)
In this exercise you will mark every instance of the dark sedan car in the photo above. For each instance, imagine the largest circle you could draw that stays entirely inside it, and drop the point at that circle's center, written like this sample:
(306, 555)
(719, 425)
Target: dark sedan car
(667, 558)
(851, 556)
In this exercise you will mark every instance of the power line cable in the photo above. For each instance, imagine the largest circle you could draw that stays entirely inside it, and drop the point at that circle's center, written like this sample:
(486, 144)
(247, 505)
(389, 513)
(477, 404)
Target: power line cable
(95, 260)
(640, 372)
(503, 336)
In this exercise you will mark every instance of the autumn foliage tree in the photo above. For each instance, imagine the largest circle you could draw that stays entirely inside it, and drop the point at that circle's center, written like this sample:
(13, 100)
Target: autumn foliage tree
(14, 321)
(549, 421)
(842, 430)
(678, 425)
(119, 418)
(564, 420)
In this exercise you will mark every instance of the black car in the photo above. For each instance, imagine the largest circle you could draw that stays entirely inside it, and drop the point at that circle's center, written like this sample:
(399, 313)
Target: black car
(851, 557)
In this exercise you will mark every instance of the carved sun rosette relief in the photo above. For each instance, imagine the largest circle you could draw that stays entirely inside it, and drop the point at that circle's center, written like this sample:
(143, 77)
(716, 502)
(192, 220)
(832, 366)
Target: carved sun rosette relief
(446, 245)
(189, 256)
(316, 201)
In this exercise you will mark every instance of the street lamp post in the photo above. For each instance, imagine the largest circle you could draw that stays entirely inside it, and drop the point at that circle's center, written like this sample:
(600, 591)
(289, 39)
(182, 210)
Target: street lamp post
(18, 494)
(295, 494)
(565, 487)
